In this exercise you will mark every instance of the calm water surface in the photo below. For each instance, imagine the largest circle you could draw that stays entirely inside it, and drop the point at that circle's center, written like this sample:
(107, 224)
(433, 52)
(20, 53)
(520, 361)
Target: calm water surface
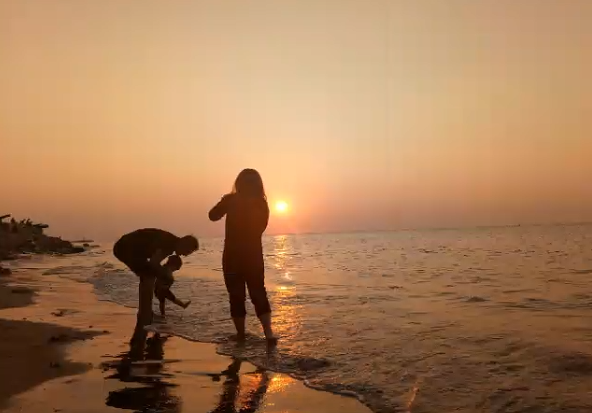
(481, 320)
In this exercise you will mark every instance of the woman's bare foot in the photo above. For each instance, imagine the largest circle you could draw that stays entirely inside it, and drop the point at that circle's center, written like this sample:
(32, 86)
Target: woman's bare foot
(185, 304)
(271, 341)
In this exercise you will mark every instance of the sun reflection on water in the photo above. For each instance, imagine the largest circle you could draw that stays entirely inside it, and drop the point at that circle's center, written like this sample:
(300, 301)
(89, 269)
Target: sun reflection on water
(281, 248)
(279, 383)
(287, 318)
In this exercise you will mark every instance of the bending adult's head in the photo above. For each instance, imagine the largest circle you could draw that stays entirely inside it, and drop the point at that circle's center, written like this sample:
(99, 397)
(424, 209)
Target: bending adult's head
(187, 245)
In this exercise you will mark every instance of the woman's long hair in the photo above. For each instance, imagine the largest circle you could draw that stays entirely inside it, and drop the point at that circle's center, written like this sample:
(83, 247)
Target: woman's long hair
(249, 182)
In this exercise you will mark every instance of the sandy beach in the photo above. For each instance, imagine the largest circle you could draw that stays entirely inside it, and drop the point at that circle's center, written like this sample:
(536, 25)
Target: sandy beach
(64, 351)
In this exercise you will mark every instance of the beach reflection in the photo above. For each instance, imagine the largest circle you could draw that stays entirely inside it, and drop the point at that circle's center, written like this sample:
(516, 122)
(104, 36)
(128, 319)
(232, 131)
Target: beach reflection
(279, 383)
(281, 256)
(287, 319)
(156, 394)
(242, 397)
(286, 315)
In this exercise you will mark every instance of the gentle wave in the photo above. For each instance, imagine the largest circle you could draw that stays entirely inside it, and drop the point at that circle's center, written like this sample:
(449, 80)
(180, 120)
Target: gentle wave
(254, 350)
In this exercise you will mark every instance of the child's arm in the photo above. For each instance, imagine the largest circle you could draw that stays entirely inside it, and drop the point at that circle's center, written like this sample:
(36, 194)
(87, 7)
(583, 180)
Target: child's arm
(157, 258)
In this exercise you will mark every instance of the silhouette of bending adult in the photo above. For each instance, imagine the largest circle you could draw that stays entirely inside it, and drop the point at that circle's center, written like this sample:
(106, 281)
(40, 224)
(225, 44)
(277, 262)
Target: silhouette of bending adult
(142, 251)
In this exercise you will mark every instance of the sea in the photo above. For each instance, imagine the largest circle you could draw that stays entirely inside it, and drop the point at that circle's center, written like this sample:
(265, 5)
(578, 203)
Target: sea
(465, 320)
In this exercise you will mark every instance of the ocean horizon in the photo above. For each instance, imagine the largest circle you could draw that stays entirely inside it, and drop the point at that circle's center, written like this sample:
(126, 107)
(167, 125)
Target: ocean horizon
(368, 231)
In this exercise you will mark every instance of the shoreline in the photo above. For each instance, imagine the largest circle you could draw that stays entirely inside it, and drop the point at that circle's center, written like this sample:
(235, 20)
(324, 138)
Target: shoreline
(62, 343)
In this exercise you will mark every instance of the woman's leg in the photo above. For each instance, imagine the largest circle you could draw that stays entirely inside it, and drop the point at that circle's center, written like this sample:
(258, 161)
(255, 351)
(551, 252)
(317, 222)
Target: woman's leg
(239, 326)
(265, 320)
(256, 285)
(235, 285)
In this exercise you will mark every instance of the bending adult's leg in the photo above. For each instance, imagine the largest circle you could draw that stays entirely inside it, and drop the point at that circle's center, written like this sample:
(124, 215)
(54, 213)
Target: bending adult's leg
(144, 317)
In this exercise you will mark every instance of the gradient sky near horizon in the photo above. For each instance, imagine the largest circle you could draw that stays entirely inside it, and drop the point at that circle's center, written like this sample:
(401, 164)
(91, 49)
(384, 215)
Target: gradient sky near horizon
(361, 114)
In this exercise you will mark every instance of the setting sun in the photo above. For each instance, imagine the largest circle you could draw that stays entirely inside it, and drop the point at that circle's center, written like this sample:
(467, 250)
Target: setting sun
(281, 206)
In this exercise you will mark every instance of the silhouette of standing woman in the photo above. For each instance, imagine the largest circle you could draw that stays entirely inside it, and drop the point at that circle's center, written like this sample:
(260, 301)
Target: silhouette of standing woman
(231, 391)
(247, 215)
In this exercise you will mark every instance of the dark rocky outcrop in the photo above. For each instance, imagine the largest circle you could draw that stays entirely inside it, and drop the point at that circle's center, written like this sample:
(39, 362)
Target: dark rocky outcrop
(26, 236)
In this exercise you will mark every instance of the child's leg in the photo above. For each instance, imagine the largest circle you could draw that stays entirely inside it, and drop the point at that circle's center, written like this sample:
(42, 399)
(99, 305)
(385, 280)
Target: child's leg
(162, 306)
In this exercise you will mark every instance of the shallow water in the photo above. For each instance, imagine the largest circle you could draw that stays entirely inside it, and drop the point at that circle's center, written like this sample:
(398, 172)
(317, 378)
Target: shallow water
(479, 320)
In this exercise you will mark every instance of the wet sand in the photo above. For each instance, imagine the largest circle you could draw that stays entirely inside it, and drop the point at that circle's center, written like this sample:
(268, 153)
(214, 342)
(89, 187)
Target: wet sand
(64, 351)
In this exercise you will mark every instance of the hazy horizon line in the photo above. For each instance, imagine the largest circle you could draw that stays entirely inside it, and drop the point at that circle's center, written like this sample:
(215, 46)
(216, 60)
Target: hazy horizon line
(374, 231)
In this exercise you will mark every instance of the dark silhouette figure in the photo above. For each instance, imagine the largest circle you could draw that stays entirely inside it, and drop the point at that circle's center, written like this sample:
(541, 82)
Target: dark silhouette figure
(162, 286)
(142, 251)
(231, 391)
(247, 216)
(155, 395)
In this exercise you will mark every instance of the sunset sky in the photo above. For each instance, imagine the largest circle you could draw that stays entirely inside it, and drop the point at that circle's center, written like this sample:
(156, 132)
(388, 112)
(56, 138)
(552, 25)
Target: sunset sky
(361, 115)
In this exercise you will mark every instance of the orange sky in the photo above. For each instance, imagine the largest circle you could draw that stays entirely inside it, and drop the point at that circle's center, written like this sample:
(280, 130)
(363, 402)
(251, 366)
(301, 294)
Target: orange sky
(361, 114)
